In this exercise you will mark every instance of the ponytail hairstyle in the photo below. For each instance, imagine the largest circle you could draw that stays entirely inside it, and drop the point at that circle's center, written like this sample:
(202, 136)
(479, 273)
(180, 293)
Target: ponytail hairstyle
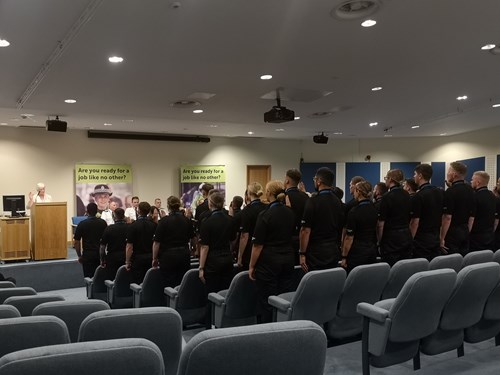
(255, 190)
(277, 190)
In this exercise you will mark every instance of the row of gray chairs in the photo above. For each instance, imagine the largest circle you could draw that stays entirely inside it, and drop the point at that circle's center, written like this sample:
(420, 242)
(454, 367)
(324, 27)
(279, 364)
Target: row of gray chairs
(24, 299)
(434, 313)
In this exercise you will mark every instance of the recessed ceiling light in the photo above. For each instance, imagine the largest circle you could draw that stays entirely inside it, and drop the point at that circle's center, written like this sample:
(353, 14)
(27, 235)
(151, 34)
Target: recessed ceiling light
(4, 43)
(213, 126)
(388, 135)
(70, 101)
(107, 124)
(415, 126)
(198, 111)
(250, 133)
(442, 134)
(3, 123)
(279, 130)
(338, 133)
(266, 77)
(372, 124)
(496, 105)
(115, 59)
(368, 23)
(127, 120)
(296, 118)
(378, 88)
(487, 47)
(463, 97)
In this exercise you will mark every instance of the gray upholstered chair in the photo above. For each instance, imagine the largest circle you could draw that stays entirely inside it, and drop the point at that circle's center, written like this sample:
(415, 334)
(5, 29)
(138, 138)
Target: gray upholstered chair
(363, 284)
(489, 325)
(26, 304)
(95, 285)
(453, 261)
(118, 290)
(7, 284)
(18, 291)
(150, 292)
(296, 347)
(476, 257)
(400, 273)
(71, 312)
(161, 325)
(189, 299)
(464, 308)
(316, 297)
(392, 328)
(9, 311)
(31, 332)
(496, 256)
(237, 305)
(124, 356)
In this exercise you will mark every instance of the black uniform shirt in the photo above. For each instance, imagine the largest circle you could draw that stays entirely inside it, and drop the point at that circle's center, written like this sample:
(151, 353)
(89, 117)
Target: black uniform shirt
(249, 216)
(427, 206)
(115, 237)
(90, 230)
(486, 211)
(217, 232)
(298, 201)
(323, 214)
(362, 223)
(174, 230)
(275, 226)
(395, 208)
(140, 233)
(349, 206)
(459, 202)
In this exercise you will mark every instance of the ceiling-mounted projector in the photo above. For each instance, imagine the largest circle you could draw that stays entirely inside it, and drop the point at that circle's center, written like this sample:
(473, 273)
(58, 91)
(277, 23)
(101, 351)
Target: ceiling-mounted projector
(278, 113)
(320, 138)
(56, 125)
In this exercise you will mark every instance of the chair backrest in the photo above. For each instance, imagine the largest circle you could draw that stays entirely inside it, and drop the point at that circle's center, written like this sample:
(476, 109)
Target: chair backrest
(453, 261)
(364, 283)
(496, 256)
(26, 304)
(265, 349)
(71, 312)
(31, 332)
(400, 273)
(241, 298)
(416, 310)
(318, 294)
(161, 325)
(125, 356)
(8, 311)
(152, 289)
(7, 284)
(192, 293)
(123, 279)
(18, 291)
(476, 257)
(100, 275)
(466, 304)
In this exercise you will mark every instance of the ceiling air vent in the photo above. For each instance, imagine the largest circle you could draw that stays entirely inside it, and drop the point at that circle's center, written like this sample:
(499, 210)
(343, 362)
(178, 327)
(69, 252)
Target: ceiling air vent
(354, 9)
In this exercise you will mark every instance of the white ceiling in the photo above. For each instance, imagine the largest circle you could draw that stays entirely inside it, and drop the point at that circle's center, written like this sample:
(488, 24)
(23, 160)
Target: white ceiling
(424, 53)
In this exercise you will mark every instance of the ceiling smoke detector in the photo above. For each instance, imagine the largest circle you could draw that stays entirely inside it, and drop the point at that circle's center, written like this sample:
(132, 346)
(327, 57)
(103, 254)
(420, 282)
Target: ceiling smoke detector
(355, 9)
(185, 104)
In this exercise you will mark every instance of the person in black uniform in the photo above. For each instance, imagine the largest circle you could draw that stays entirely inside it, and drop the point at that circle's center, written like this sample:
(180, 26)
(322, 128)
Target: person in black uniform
(89, 231)
(360, 242)
(171, 246)
(205, 189)
(216, 261)
(235, 212)
(458, 211)
(426, 214)
(323, 217)
(482, 234)
(248, 219)
(140, 244)
(410, 186)
(113, 244)
(393, 229)
(352, 185)
(272, 260)
(496, 191)
(296, 200)
(378, 192)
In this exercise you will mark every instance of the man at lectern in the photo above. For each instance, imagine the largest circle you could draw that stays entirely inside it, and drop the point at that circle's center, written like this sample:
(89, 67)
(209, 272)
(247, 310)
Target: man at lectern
(40, 196)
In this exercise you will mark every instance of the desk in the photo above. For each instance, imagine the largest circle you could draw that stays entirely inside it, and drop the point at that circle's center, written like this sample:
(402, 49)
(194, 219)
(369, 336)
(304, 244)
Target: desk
(14, 238)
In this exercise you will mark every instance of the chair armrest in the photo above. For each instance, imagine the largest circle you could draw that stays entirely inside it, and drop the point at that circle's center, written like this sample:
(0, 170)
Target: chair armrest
(216, 298)
(278, 302)
(135, 287)
(88, 280)
(109, 283)
(372, 312)
(171, 292)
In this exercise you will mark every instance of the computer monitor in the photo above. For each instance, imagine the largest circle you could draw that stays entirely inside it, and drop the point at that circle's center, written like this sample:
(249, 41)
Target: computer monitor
(15, 204)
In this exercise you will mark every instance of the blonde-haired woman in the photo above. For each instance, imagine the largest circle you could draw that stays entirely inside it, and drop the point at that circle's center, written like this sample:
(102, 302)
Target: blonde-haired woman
(248, 219)
(360, 242)
(272, 261)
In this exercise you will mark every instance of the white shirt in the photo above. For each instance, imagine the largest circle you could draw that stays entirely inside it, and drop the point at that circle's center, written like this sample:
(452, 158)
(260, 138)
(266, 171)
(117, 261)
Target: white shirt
(107, 216)
(130, 213)
(46, 198)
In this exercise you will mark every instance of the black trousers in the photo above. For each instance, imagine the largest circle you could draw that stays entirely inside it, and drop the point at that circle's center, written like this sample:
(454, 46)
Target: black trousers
(114, 261)
(482, 241)
(141, 263)
(359, 255)
(322, 256)
(174, 263)
(457, 239)
(396, 245)
(90, 261)
(426, 245)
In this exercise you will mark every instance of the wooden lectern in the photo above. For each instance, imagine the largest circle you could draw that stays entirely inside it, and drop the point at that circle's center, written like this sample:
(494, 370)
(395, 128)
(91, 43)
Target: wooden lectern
(14, 238)
(49, 233)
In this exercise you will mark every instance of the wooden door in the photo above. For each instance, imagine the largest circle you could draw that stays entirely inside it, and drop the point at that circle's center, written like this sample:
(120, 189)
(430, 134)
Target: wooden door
(259, 173)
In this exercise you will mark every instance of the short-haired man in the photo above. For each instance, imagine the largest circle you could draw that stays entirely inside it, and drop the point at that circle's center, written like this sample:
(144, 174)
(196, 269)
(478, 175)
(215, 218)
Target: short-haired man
(139, 249)
(426, 214)
(89, 232)
(160, 209)
(200, 209)
(410, 186)
(393, 230)
(458, 211)
(113, 244)
(296, 200)
(131, 213)
(352, 186)
(482, 234)
(379, 190)
(321, 224)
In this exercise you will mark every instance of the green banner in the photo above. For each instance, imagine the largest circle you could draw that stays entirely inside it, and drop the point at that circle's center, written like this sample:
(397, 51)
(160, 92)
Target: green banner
(102, 173)
(203, 173)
